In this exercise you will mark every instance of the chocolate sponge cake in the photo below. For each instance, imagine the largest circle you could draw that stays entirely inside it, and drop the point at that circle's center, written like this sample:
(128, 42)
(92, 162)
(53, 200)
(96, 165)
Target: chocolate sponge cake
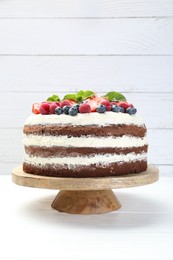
(97, 138)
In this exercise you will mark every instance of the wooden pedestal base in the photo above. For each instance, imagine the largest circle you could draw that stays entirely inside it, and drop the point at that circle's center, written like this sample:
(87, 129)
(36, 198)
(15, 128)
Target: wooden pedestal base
(86, 202)
(85, 195)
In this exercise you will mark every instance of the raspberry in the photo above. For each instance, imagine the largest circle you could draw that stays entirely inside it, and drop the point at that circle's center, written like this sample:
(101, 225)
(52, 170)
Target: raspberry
(44, 108)
(107, 104)
(124, 104)
(84, 108)
(52, 107)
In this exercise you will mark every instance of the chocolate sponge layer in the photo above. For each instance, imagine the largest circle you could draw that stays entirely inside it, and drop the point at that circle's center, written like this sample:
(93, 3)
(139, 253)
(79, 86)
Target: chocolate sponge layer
(79, 151)
(77, 131)
(113, 169)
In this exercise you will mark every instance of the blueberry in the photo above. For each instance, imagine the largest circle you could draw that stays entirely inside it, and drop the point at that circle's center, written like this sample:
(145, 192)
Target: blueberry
(66, 109)
(116, 108)
(58, 111)
(73, 111)
(76, 106)
(101, 109)
(122, 110)
(131, 110)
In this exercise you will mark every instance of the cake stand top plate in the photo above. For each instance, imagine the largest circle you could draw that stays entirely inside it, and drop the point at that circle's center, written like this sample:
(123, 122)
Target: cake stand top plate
(100, 183)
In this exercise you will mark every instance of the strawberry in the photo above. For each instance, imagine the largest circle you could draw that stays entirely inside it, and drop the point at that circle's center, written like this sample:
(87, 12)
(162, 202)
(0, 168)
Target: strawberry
(100, 99)
(93, 104)
(58, 103)
(124, 104)
(72, 102)
(84, 108)
(36, 108)
(107, 104)
(52, 107)
(67, 102)
(44, 108)
(95, 101)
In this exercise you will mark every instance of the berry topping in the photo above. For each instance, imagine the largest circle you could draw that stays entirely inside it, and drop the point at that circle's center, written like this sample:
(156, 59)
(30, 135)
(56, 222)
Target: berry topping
(93, 104)
(124, 104)
(84, 108)
(66, 109)
(73, 111)
(36, 108)
(84, 102)
(52, 107)
(116, 108)
(67, 102)
(131, 110)
(58, 103)
(101, 99)
(113, 103)
(44, 108)
(77, 107)
(101, 109)
(122, 110)
(58, 111)
(107, 104)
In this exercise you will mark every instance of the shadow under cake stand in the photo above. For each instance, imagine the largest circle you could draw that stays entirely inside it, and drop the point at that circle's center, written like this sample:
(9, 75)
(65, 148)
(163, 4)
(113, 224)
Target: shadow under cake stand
(85, 195)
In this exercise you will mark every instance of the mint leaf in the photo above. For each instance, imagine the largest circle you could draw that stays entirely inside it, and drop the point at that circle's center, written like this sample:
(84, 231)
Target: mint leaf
(79, 99)
(88, 94)
(80, 93)
(115, 96)
(70, 96)
(79, 96)
(53, 98)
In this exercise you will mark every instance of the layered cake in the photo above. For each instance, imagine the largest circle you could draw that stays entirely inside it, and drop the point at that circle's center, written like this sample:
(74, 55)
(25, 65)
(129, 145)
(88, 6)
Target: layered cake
(85, 136)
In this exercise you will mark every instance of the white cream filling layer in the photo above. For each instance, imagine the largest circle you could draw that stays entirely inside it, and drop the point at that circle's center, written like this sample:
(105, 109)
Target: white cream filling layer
(83, 160)
(94, 118)
(83, 141)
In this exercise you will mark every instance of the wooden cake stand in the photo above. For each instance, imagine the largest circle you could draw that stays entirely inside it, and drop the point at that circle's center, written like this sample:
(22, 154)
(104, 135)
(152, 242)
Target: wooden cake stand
(85, 195)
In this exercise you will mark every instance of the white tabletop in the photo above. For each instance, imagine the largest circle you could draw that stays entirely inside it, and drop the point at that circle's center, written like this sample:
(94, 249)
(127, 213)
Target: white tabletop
(141, 229)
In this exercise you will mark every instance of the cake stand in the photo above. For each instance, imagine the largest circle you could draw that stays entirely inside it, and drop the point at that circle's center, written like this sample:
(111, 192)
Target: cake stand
(85, 195)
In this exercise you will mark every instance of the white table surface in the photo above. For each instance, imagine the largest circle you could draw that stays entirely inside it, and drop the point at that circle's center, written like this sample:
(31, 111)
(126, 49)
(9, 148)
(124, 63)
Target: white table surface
(141, 229)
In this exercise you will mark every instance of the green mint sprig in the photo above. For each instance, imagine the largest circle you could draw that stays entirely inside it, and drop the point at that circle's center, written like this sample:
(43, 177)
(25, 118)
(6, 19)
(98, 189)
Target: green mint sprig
(53, 98)
(70, 96)
(115, 96)
(80, 95)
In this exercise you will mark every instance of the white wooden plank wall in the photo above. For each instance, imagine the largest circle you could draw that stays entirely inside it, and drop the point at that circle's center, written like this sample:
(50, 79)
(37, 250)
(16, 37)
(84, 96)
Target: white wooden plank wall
(58, 46)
